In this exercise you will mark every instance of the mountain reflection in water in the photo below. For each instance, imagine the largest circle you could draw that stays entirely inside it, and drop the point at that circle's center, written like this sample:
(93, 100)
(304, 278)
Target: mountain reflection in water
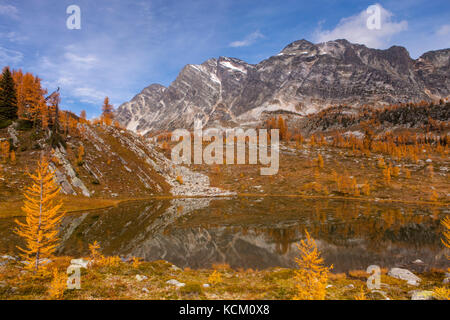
(255, 232)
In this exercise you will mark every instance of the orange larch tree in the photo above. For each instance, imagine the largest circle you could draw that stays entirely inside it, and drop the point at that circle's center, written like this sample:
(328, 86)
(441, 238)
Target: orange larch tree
(83, 116)
(4, 150)
(107, 112)
(312, 276)
(43, 217)
(30, 96)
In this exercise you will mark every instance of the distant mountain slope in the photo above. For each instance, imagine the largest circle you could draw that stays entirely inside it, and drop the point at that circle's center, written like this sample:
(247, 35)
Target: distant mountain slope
(303, 78)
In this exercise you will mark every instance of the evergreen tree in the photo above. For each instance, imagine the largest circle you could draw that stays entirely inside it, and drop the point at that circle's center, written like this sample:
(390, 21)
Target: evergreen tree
(8, 97)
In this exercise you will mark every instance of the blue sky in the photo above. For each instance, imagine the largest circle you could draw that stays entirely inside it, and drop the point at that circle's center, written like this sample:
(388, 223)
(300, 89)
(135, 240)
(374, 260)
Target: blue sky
(124, 46)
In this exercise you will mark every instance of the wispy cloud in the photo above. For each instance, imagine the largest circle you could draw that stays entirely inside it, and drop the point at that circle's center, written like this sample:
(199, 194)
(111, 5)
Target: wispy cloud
(249, 40)
(77, 74)
(9, 10)
(89, 95)
(9, 57)
(85, 62)
(355, 29)
(444, 30)
(13, 37)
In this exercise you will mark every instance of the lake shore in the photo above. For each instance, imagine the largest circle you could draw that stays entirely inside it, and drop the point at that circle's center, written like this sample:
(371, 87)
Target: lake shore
(161, 280)
(13, 208)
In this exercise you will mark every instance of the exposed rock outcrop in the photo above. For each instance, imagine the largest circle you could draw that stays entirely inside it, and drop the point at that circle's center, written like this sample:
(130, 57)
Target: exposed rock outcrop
(302, 79)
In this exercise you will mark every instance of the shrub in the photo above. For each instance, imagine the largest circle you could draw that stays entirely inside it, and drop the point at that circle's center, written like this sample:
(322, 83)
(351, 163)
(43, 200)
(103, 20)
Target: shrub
(441, 293)
(361, 295)
(58, 285)
(5, 123)
(215, 278)
(24, 125)
(191, 288)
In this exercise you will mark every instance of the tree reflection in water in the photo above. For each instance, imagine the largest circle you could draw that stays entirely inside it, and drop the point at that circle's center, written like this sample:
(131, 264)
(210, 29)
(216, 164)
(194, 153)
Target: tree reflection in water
(255, 232)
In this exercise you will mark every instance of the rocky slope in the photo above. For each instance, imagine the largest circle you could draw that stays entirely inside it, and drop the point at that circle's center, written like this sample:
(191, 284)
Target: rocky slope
(116, 164)
(302, 79)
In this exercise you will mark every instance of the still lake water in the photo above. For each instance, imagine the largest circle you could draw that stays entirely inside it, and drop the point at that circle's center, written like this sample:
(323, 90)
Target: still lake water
(255, 232)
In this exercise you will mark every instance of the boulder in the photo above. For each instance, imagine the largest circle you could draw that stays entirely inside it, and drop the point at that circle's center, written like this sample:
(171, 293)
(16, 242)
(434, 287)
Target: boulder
(7, 257)
(350, 286)
(404, 274)
(141, 278)
(13, 134)
(175, 268)
(176, 283)
(80, 262)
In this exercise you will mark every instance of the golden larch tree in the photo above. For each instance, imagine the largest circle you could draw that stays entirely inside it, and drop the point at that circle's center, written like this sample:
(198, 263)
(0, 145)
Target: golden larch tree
(4, 150)
(320, 161)
(58, 285)
(83, 115)
(64, 122)
(387, 175)
(312, 276)
(30, 95)
(73, 124)
(107, 112)
(80, 155)
(443, 293)
(45, 115)
(12, 157)
(20, 89)
(43, 217)
(446, 240)
(407, 174)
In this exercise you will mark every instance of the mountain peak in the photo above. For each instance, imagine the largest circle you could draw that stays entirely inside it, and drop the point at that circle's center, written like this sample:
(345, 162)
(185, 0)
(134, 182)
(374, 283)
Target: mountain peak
(303, 79)
(299, 45)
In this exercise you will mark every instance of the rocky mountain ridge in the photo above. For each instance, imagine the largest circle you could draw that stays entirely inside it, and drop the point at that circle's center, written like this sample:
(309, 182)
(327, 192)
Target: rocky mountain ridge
(302, 79)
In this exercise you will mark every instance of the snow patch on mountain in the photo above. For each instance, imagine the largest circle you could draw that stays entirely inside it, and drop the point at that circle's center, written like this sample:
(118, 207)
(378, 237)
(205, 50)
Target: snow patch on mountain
(302, 79)
(231, 66)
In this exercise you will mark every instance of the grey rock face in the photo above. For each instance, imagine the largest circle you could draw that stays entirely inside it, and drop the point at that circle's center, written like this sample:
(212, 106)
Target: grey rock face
(68, 172)
(302, 79)
(13, 134)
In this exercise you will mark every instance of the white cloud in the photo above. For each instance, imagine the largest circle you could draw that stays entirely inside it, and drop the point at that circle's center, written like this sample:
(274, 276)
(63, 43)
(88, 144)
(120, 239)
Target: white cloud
(87, 61)
(249, 40)
(8, 10)
(444, 30)
(89, 95)
(355, 30)
(9, 57)
(80, 74)
(13, 37)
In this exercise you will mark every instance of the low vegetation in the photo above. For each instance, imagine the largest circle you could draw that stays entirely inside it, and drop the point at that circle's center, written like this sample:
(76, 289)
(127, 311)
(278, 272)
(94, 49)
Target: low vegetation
(115, 279)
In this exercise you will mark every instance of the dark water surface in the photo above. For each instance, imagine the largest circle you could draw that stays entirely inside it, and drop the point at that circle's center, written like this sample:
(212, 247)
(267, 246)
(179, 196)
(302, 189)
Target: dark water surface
(255, 232)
